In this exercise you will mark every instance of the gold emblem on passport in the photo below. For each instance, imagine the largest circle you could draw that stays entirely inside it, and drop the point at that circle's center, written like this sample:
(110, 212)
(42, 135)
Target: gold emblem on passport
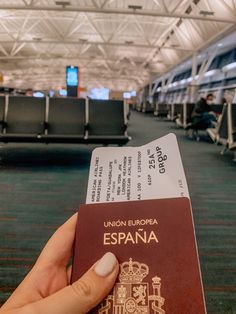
(131, 295)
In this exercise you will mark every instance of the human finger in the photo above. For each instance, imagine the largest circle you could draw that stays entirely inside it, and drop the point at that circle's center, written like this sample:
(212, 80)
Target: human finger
(84, 294)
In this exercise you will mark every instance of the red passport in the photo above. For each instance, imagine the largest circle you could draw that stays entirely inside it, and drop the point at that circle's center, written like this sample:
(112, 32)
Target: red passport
(154, 241)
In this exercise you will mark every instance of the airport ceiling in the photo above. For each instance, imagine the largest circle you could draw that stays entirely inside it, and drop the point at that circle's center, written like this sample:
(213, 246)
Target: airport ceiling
(120, 44)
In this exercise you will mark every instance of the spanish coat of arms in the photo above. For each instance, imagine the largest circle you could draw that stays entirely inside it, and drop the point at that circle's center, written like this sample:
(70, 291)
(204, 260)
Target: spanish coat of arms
(131, 295)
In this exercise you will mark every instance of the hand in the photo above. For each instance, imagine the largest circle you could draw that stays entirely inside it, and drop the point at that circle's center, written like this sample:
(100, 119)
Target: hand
(47, 289)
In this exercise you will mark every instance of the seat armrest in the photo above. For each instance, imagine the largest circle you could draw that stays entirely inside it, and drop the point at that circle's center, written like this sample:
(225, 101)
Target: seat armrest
(3, 123)
(87, 126)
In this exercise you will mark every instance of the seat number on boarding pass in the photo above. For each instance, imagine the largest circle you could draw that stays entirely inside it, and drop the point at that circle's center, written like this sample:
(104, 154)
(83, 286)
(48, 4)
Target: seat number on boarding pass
(159, 157)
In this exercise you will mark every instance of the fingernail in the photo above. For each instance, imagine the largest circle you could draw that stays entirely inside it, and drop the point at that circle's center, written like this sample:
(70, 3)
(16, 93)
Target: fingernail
(105, 265)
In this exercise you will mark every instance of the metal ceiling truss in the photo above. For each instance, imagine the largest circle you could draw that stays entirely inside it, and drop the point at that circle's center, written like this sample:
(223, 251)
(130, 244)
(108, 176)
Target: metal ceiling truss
(63, 41)
(99, 10)
(135, 45)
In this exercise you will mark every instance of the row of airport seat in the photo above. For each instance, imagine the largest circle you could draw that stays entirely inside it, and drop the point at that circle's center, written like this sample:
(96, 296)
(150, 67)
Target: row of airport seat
(62, 120)
(225, 131)
(159, 109)
(184, 116)
(179, 112)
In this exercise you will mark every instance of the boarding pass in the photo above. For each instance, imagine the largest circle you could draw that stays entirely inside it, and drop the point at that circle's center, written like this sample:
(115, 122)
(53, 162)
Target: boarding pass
(151, 171)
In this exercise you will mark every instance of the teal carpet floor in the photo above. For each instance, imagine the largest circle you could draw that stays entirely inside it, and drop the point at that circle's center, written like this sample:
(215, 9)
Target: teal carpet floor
(42, 185)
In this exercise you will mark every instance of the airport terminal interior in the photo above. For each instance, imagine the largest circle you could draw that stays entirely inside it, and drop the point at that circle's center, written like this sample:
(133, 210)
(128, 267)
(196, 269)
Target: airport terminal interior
(81, 74)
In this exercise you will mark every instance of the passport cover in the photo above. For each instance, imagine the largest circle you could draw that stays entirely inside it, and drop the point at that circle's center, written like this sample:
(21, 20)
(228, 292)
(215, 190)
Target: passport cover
(154, 241)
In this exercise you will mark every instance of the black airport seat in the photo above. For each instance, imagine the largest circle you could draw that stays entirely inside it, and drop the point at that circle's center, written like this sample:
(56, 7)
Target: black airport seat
(161, 110)
(171, 115)
(222, 132)
(107, 123)
(185, 116)
(234, 125)
(232, 129)
(189, 111)
(2, 109)
(213, 132)
(66, 120)
(217, 108)
(24, 119)
(139, 106)
(225, 132)
(147, 107)
(180, 115)
(176, 110)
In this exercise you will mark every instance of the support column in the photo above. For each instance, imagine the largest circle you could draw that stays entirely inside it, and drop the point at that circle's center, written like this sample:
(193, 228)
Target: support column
(193, 86)
(163, 91)
(194, 66)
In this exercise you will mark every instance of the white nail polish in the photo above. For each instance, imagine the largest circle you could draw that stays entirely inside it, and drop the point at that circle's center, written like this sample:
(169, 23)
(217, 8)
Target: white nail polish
(105, 265)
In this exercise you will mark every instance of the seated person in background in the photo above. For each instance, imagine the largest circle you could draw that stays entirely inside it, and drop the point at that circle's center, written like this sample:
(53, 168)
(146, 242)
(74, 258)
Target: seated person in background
(202, 113)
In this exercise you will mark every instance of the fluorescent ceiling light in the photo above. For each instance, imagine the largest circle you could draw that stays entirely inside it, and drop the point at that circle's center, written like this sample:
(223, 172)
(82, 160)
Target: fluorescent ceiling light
(37, 38)
(63, 3)
(129, 42)
(135, 7)
(211, 72)
(83, 40)
(229, 67)
(183, 81)
(203, 12)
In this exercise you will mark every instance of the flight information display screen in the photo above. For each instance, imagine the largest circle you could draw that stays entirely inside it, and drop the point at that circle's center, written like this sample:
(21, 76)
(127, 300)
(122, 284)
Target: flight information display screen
(72, 74)
(99, 93)
(38, 94)
(126, 95)
(62, 92)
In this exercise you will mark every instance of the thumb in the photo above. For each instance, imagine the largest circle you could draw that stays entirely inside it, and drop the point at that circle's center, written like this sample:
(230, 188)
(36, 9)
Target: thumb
(84, 294)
